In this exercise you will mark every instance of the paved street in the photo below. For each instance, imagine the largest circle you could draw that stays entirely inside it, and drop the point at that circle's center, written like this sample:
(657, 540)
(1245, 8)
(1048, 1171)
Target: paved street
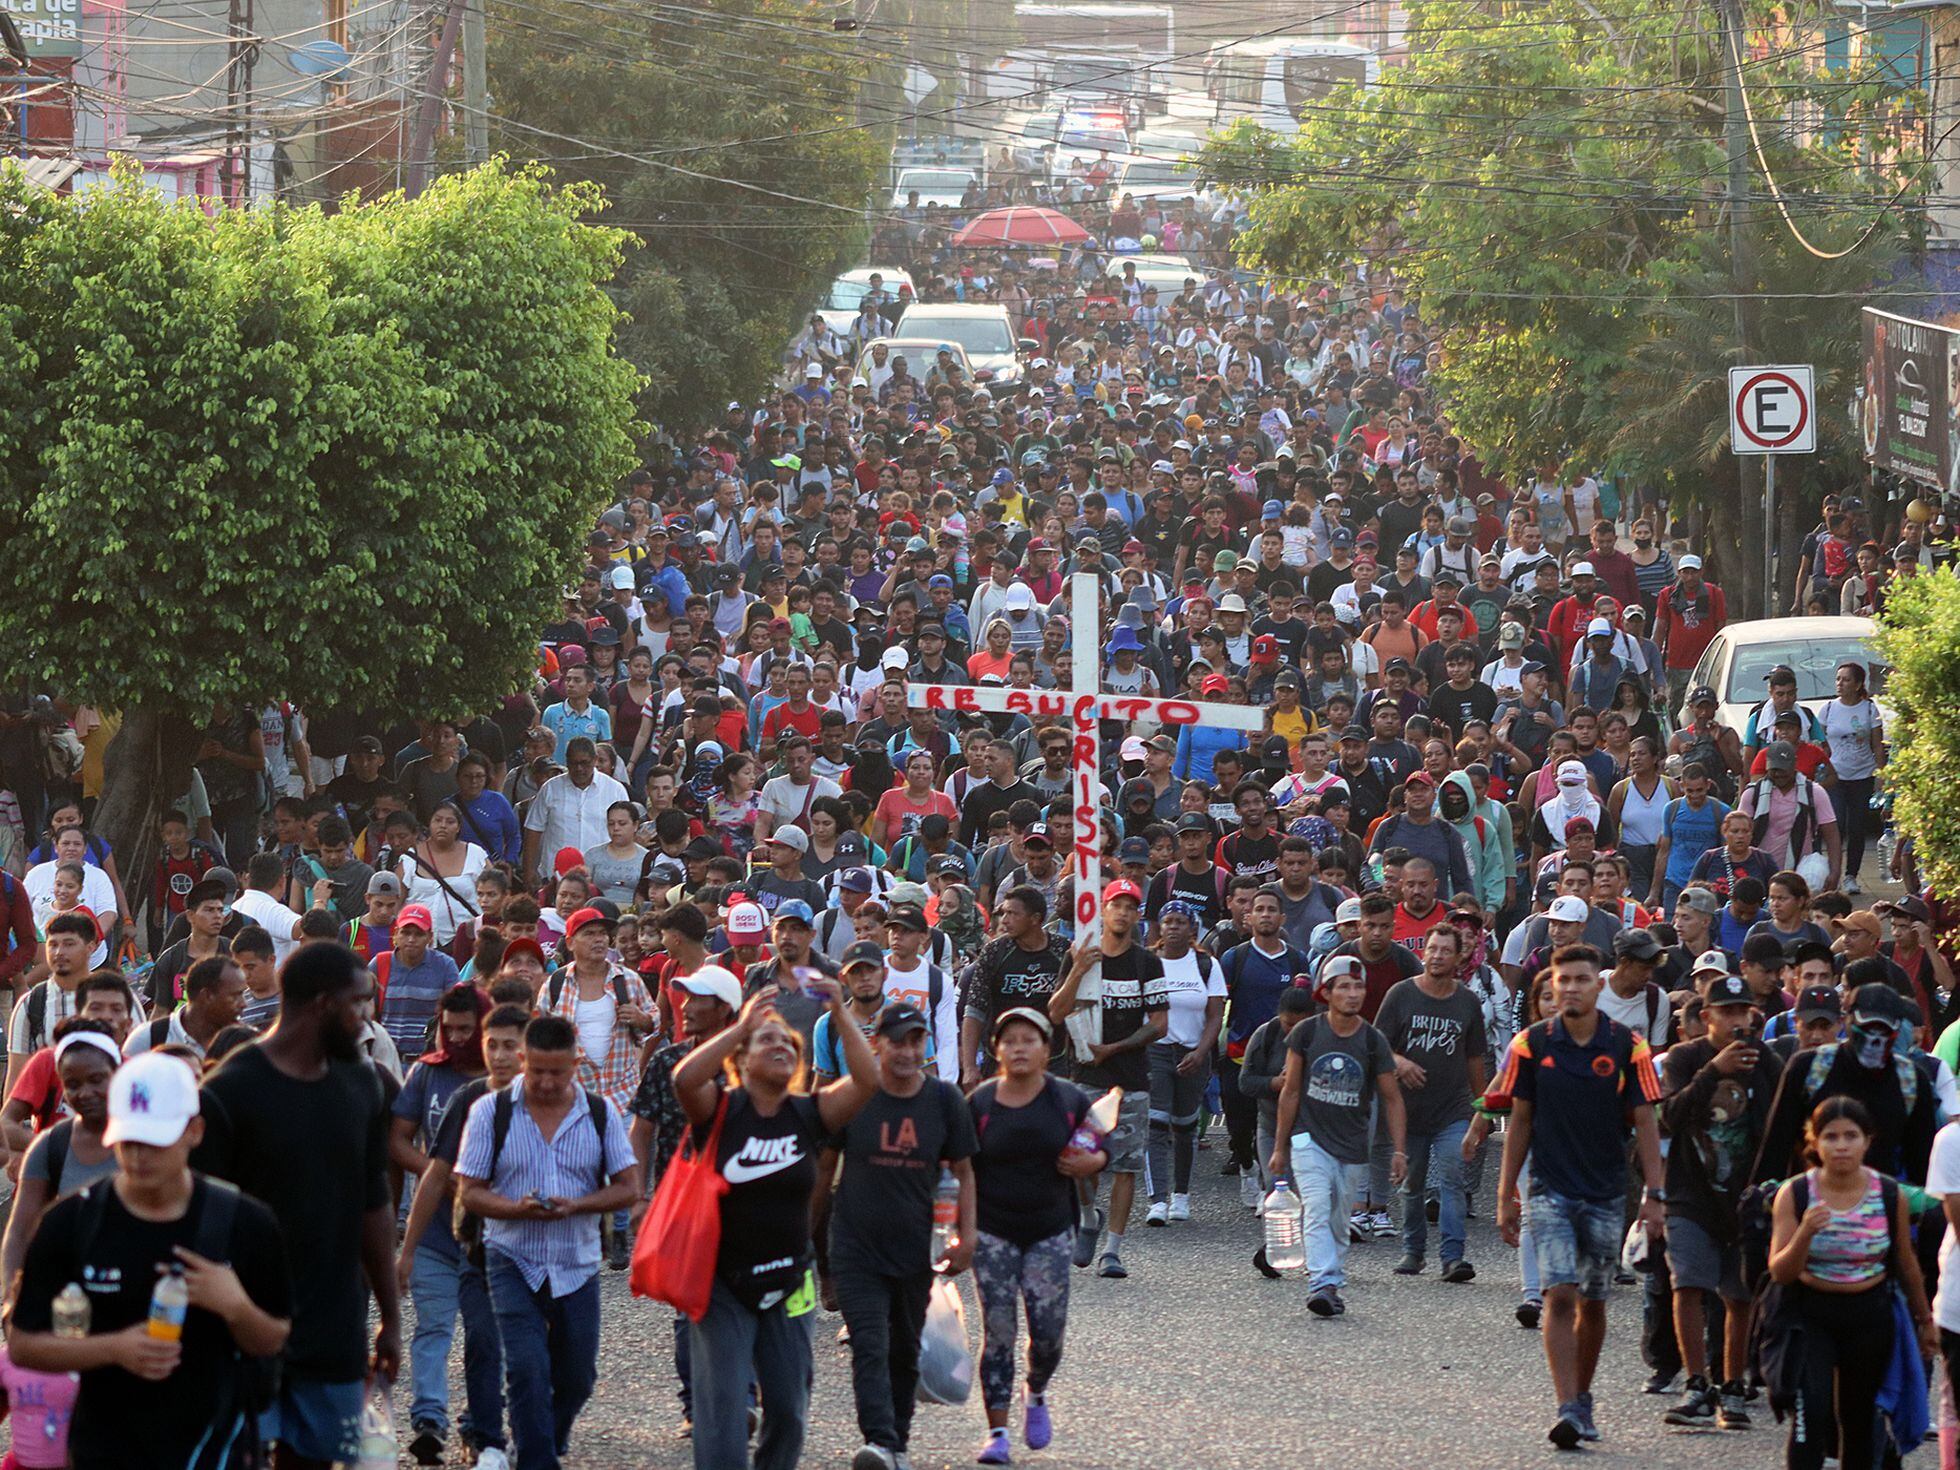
(1197, 1360)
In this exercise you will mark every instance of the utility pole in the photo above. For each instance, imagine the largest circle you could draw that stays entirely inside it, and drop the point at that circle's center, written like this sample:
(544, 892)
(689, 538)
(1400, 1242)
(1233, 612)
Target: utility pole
(1756, 527)
(476, 84)
(428, 114)
(242, 51)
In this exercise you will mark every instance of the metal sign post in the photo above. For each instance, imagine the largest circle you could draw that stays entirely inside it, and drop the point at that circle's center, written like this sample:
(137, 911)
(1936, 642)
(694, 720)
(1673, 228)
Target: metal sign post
(1771, 412)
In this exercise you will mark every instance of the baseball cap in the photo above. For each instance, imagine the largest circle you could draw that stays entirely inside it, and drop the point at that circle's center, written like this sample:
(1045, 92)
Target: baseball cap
(1133, 850)
(1729, 990)
(1272, 510)
(378, 886)
(1818, 1001)
(417, 916)
(1038, 832)
(864, 952)
(1715, 960)
(1781, 756)
(1121, 888)
(904, 916)
(794, 908)
(1781, 674)
(1133, 749)
(1873, 1001)
(1689, 563)
(1583, 569)
(1420, 778)
(1863, 919)
(1215, 684)
(713, 980)
(367, 745)
(857, 880)
(1599, 628)
(1027, 1015)
(1265, 648)
(1636, 944)
(1195, 822)
(1511, 635)
(747, 921)
(1571, 773)
(152, 1099)
(901, 1018)
(793, 838)
(1349, 911)
(1702, 901)
(1341, 967)
(1568, 908)
(579, 920)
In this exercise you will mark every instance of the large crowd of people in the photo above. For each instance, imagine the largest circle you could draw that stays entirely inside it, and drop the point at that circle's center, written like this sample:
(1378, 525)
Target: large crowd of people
(418, 1021)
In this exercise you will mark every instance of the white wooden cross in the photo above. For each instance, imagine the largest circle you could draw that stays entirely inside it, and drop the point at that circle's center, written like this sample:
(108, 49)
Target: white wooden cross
(1085, 704)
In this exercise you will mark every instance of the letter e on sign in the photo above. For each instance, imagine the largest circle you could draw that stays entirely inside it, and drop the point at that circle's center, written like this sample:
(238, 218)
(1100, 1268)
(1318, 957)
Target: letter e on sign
(1772, 410)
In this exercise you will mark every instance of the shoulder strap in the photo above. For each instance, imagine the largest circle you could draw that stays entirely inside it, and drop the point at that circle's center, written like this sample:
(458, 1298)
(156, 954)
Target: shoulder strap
(554, 988)
(500, 1115)
(597, 1103)
(37, 1016)
(621, 995)
(214, 1222)
(58, 1140)
(1654, 1002)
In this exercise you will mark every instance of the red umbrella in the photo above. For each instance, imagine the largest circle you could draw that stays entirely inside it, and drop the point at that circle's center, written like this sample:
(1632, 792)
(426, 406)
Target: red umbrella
(1021, 224)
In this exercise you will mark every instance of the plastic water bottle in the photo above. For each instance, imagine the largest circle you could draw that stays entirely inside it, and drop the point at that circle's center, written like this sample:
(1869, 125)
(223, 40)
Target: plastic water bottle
(170, 1303)
(72, 1311)
(945, 1215)
(1097, 1122)
(1285, 1244)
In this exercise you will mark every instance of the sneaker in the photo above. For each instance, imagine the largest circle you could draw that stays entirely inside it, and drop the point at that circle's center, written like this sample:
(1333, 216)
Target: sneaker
(1528, 1312)
(1409, 1265)
(1357, 1227)
(995, 1451)
(1340, 1303)
(1624, 1277)
(492, 1458)
(1264, 1267)
(844, 1335)
(1038, 1428)
(1566, 1430)
(1249, 1194)
(1322, 1303)
(1662, 1380)
(1231, 1167)
(1851, 886)
(1458, 1272)
(426, 1447)
(1696, 1409)
(1160, 1214)
(685, 1430)
(619, 1251)
(1588, 1431)
(1381, 1227)
(901, 1460)
(1112, 1266)
(1087, 1232)
(1180, 1207)
(1432, 1210)
(1734, 1410)
(874, 1457)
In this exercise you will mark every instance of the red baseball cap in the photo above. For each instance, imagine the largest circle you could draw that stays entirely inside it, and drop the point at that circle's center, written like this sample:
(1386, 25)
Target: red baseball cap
(416, 915)
(580, 919)
(1215, 684)
(1121, 888)
(1265, 649)
(1420, 778)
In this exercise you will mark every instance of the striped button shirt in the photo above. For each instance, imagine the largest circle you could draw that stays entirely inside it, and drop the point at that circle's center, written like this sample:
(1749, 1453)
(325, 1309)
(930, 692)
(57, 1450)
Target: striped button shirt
(563, 1253)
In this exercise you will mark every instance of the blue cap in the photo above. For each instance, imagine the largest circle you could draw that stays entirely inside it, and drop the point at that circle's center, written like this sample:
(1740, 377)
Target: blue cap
(1272, 510)
(1123, 639)
(794, 908)
(1005, 476)
(938, 579)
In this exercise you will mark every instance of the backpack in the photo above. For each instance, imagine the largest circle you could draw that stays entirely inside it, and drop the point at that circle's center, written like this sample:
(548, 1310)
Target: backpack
(468, 1227)
(1707, 753)
(1799, 828)
(58, 1140)
(1819, 1069)
(555, 987)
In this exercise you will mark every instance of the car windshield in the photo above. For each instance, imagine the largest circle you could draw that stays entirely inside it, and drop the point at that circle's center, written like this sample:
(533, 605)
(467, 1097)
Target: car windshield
(931, 181)
(1815, 661)
(846, 295)
(1138, 174)
(977, 334)
(1108, 140)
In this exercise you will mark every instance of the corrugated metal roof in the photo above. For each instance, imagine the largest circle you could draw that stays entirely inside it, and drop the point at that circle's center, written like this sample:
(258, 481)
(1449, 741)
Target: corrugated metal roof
(49, 173)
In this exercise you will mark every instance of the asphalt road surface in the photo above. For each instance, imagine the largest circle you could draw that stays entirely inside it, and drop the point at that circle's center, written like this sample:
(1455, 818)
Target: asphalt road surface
(1196, 1360)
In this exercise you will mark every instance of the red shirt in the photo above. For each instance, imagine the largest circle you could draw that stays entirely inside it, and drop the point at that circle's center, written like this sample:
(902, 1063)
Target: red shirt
(782, 717)
(1685, 632)
(40, 1088)
(1410, 932)
(1809, 758)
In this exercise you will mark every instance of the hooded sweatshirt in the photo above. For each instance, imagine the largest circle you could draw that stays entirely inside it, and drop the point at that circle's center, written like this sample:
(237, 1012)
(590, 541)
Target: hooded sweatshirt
(1489, 864)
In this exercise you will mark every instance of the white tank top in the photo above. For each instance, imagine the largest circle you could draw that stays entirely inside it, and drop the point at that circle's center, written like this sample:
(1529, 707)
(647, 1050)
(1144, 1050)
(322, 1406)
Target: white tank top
(1641, 816)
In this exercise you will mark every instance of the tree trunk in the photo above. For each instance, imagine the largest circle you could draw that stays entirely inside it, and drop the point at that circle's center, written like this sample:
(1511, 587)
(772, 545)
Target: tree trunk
(145, 769)
(1732, 540)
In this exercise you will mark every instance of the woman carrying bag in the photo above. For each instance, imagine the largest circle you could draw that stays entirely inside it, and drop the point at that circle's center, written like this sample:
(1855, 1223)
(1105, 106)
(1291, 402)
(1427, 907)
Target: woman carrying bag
(1841, 1252)
(763, 1130)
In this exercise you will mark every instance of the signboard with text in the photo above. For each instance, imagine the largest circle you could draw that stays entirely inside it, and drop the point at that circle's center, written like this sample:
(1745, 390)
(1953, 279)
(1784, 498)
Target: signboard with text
(1906, 405)
(50, 27)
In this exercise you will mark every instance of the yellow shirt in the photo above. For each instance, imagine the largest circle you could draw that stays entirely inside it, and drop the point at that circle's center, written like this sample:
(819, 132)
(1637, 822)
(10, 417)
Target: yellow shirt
(1294, 725)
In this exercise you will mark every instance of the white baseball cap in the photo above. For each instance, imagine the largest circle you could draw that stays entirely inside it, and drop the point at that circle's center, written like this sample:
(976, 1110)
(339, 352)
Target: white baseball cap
(1689, 563)
(1571, 773)
(1582, 569)
(1349, 912)
(1599, 628)
(895, 658)
(152, 1099)
(1568, 908)
(713, 980)
(747, 921)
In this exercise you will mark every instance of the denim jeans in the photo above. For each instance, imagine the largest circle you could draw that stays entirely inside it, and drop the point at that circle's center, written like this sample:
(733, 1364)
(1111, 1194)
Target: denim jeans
(732, 1347)
(1577, 1241)
(886, 1314)
(1326, 1195)
(1442, 1151)
(443, 1285)
(551, 1360)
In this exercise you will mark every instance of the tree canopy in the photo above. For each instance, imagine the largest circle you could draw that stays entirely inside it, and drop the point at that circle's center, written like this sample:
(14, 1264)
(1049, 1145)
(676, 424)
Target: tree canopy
(1919, 640)
(1548, 182)
(726, 136)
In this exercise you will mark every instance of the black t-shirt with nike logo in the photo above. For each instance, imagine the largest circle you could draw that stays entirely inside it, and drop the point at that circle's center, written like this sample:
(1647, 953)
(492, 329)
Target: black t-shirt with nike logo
(771, 1168)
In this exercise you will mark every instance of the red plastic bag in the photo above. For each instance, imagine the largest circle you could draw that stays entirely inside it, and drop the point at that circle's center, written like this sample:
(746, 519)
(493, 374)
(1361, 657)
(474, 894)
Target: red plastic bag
(674, 1253)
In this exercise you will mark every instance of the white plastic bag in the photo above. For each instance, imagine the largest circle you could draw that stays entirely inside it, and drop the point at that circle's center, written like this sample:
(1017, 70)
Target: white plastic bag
(378, 1443)
(945, 1364)
(1640, 1251)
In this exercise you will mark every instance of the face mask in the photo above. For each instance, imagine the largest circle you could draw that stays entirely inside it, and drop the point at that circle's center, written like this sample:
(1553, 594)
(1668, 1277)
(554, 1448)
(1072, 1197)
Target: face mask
(1872, 1044)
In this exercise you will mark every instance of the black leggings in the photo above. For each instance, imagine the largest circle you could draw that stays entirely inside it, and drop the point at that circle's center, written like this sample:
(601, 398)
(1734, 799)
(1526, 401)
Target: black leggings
(1852, 801)
(1846, 1348)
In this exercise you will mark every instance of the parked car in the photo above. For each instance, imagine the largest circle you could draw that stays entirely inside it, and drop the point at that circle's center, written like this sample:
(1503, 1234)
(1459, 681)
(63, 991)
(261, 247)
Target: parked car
(942, 186)
(984, 331)
(920, 353)
(1737, 662)
(840, 303)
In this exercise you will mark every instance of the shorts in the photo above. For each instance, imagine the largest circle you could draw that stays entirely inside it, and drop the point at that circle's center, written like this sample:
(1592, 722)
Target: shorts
(1699, 1262)
(1576, 1241)
(1125, 1142)
(315, 1419)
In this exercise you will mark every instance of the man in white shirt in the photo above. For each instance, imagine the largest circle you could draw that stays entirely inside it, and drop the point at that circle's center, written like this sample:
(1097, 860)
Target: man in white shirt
(786, 800)
(911, 976)
(264, 875)
(570, 809)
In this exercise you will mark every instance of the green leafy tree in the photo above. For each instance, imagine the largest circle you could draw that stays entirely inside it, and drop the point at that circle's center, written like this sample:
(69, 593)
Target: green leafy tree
(1919, 638)
(1548, 182)
(727, 137)
(345, 459)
